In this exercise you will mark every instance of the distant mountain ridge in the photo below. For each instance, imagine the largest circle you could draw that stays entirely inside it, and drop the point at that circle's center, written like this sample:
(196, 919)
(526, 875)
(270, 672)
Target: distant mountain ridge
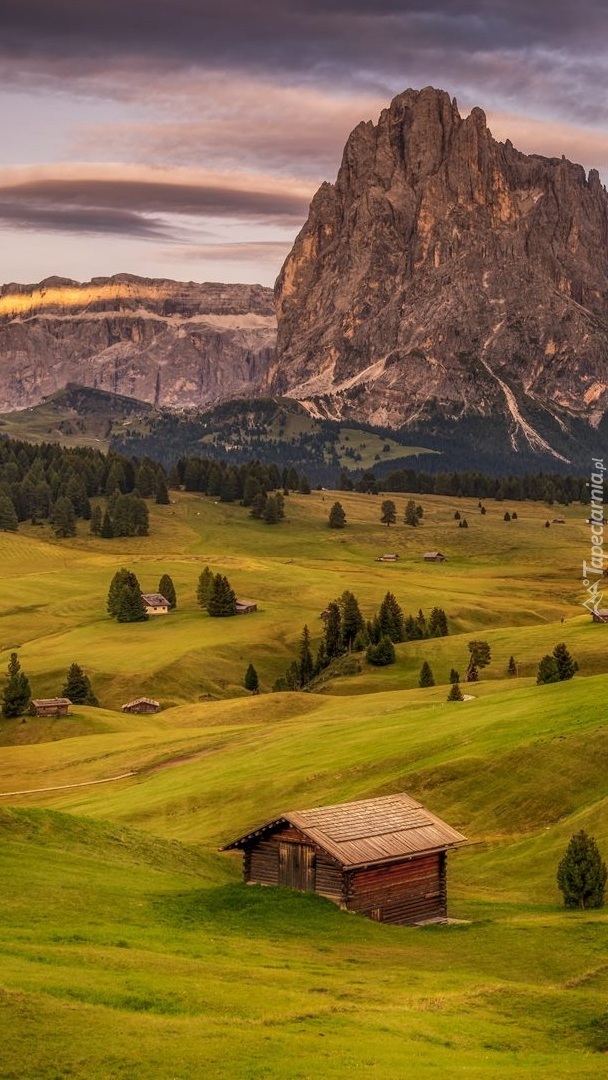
(173, 344)
(447, 276)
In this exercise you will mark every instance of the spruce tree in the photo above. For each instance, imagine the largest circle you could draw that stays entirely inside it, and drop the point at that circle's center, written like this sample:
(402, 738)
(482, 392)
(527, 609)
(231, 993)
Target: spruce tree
(337, 516)
(333, 631)
(454, 676)
(581, 874)
(17, 694)
(64, 518)
(507, 516)
(411, 515)
(565, 663)
(307, 664)
(426, 675)
(8, 516)
(96, 521)
(547, 671)
(121, 578)
(106, 531)
(251, 681)
(388, 512)
(455, 693)
(162, 492)
(352, 619)
(271, 511)
(167, 589)
(438, 623)
(78, 687)
(390, 619)
(204, 587)
(512, 666)
(222, 601)
(130, 606)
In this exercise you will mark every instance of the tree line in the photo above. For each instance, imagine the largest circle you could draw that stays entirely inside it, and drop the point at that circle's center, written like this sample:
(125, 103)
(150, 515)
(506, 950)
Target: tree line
(532, 486)
(17, 693)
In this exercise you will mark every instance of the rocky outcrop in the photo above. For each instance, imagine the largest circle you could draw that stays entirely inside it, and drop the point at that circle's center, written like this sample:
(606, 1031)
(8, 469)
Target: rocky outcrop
(170, 343)
(445, 273)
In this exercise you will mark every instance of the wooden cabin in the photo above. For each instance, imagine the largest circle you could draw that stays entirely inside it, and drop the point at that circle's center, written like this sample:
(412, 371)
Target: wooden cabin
(434, 556)
(559, 521)
(155, 603)
(384, 858)
(389, 557)
(53, 706)
(142, 705)
(245, 607)
(600, 615)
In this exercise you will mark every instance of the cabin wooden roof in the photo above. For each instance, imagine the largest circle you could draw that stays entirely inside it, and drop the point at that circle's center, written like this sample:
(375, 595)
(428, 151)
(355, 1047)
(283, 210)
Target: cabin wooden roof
(155, 599)
(370, 831)
(141, 701)
(48, 701)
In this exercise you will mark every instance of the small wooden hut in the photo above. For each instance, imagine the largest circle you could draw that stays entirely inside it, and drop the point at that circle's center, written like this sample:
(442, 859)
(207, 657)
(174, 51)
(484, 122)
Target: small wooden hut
(434, 556)
(384, 858)
(142, 705)
(390, 556)
(155, 603)
(53, 706)
(245, 607)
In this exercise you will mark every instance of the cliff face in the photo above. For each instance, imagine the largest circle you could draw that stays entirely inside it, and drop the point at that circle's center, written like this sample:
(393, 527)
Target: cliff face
(445, 273)
(170, 343)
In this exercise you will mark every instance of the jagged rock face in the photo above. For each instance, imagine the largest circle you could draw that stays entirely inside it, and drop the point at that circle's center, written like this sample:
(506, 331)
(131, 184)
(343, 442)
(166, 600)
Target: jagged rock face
(447, 273)
(170, 343)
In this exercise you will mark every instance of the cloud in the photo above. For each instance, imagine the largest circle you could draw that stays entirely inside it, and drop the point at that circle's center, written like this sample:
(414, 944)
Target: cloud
(265, 252)
(138, 201)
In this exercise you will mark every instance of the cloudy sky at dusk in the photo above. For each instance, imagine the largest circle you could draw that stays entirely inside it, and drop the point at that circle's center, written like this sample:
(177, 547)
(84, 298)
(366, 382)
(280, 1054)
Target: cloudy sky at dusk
(186, 139)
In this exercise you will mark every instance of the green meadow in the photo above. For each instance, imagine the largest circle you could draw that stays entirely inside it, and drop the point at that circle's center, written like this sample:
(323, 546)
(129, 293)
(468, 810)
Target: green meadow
(129, 946)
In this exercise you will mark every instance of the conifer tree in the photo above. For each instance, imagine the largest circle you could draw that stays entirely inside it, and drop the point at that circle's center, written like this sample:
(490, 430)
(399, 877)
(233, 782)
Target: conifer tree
(454, 676)
(306, 661)
(130, 605)
(8, 516)
(438, 623)
(64, 518)
(547, 671)
(565, 663)
(455, 693)
(251, 681)
(582, 874)
(512, 666)
(167, 589)
(106, 531)
(204, 588)
(222, 601)
(162, 492)
(17, 694)
(388, 512)
(390, 619)
(411, 515)
(337, 516)
(78, 687)
(333, 631)
(426, 675)
(352, 619)
(381, 654)
(480, 658)
(96, 521)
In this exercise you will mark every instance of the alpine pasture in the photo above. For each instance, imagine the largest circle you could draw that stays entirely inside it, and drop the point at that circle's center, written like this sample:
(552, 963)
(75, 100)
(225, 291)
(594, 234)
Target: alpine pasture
(129, 946)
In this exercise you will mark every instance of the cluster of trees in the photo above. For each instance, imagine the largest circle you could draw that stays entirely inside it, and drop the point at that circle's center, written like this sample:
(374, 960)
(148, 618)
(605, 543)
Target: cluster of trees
(125, 602)
(215, 595)
(17, 694)
(557, 667)
(412, 515)
(535, 486)
(53, 483)
(345, 630)
(235, 483)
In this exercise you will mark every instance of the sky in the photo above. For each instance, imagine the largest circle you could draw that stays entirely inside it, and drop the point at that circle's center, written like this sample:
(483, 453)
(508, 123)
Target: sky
(186, 139)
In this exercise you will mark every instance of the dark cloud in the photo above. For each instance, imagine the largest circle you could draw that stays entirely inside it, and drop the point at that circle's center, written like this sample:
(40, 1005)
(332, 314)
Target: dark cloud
(125, 206)
(293, 34)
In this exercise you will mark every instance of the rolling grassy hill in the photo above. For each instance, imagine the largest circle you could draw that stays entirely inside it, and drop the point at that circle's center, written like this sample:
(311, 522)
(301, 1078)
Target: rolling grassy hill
(129, 947)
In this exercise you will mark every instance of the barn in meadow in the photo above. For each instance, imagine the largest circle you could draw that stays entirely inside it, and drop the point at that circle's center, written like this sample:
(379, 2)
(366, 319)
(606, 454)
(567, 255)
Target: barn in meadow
(385, 858)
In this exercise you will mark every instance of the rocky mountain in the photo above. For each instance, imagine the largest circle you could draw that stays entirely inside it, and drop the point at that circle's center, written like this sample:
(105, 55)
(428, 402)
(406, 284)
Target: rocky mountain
(448, 278)
(165, 342)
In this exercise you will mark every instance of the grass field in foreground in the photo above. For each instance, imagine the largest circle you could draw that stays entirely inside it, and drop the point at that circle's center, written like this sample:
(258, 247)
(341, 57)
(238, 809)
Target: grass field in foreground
(130, 949)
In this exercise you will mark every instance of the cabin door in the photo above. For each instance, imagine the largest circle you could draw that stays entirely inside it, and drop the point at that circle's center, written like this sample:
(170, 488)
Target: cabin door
(297, 866)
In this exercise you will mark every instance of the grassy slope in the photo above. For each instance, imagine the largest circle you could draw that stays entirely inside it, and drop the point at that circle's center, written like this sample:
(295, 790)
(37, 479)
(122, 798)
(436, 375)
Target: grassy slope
(146, 958)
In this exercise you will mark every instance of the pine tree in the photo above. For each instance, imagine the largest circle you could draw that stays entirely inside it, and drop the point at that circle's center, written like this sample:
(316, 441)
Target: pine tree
(512, 666)
(411, 515)
(438, 623)
(388, 512)
(251, 681)
(457, 516)
(564, 662)
(167, 589)
(106, 531)
(333, 631)
(121, 579)
(507, 516)
(480, 658)
(454, 676)
(222, 601)
(96, 521)
(337, 516)
(352, 619)
(17, 694)
(162, 492)
(390, 619)
(307, 664)
(582, 874)
(455, 693)
(8, 516)
(426, 675)
(78, 687)
(547, 671)
(130, 606)
(271, 511)
(64, 518)
(204, 587)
